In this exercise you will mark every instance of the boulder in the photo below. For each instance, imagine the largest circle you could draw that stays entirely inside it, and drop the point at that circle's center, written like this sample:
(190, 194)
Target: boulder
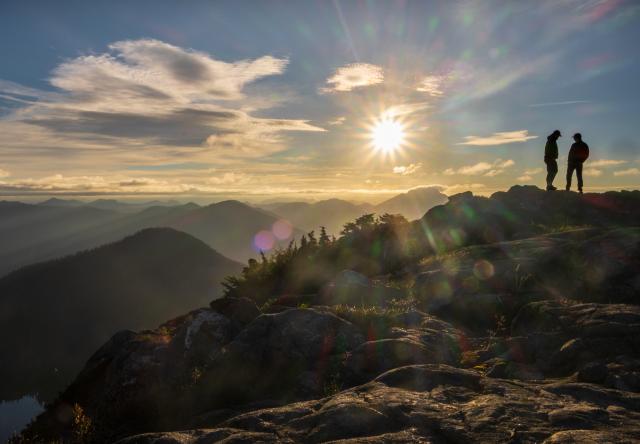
(355, 289)
(272, 357)
(240, 310)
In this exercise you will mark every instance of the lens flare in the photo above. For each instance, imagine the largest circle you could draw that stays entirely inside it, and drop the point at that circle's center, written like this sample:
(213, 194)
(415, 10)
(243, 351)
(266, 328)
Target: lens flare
(387, 135)
(282, 229)
(264, 241)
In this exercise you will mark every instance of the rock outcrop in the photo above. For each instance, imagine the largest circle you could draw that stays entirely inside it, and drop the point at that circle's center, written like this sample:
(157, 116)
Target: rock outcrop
(434, 403)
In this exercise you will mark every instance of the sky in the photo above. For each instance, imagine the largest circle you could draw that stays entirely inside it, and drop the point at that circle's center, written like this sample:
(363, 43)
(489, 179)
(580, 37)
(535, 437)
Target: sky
(283, 100)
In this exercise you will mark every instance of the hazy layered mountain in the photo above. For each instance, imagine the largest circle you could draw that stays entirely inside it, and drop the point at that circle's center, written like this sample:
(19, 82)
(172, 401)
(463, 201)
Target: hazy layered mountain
(414, 203)
(108, 204)
(55, 202)
(32, 233)
(230, 226)
(54, 314)
(331, 213)
(129, 207)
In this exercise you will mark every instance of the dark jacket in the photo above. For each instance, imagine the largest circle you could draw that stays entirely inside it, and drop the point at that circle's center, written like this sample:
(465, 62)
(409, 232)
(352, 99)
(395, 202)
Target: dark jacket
(551, 148)
(579, 152)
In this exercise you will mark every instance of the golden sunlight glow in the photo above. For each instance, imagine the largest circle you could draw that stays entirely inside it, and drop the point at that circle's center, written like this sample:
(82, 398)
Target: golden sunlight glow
(387, 135)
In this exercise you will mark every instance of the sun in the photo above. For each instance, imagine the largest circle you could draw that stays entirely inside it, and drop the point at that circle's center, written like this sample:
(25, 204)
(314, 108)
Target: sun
(387, 135)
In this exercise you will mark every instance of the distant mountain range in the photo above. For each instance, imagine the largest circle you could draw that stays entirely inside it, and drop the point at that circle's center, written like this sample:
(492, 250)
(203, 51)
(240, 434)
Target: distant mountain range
(54, 314)
(109, 204)
(334, 213)
(33, 233)
(56, 227)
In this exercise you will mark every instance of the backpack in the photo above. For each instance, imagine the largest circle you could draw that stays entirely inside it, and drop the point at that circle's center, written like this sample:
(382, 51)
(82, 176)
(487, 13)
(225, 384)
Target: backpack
(582, 152)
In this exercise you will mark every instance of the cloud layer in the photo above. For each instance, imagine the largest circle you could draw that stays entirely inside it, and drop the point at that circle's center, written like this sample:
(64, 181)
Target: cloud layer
(356, 75)
(155, 97)
(482, 168)
(407, 170)
(500, 138)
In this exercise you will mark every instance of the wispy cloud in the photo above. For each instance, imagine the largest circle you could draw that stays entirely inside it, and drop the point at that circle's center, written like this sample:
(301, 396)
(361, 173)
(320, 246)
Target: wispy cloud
(432, 85)
(149, 94)
(337, 121)
(606, 163)
(500, 138)
(533, 171)
(592, 172)
(356, 75)
(525, 178)
(407, 170)
(627, 172)
(482, 168)
(568, 102)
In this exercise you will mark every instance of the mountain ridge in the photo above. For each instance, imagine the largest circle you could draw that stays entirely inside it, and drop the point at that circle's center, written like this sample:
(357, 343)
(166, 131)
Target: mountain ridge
(537, 312)
(134, 283)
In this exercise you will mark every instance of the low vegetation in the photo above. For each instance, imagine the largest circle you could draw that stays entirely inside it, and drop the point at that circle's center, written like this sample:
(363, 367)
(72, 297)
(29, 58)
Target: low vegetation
(370, 245)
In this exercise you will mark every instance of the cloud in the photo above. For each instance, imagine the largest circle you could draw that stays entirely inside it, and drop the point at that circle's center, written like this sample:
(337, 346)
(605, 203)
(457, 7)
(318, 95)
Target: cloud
(485, 168)
(606, 163)
(4, 173)
(592, 172)
(356, 75)
(154, 69)
(229, 178)
(533, 171)
(500, 138)
(432, 85)
(407, 170)
(627, 172)
(525, 178)
(568, 102)
(150, 96)
(337, 121)
(405, 109)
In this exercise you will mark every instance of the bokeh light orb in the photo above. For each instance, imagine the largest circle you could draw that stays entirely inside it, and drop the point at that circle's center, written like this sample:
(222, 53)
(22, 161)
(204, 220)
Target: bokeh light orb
(264, 241)
(483, 270)
(282, 229)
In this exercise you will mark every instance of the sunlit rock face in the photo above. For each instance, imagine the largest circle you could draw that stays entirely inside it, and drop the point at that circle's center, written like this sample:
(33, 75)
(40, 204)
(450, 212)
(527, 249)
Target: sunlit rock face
(434, 403)
(475, 286)
(521, 212)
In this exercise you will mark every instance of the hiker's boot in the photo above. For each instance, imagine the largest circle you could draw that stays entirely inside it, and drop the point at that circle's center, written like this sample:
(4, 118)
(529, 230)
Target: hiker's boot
(551, 188)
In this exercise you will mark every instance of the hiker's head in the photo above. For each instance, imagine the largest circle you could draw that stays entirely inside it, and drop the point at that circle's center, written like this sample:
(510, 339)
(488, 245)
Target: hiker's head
(556, 134)
(577, 137)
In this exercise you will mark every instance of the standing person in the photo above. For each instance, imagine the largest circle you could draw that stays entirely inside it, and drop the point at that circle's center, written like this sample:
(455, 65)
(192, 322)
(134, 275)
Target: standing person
(551, 158)
(578, 153)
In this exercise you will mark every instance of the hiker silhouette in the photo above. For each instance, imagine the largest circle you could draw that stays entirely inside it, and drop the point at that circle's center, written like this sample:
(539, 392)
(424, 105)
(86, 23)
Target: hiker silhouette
(551, 158)
(578, 153)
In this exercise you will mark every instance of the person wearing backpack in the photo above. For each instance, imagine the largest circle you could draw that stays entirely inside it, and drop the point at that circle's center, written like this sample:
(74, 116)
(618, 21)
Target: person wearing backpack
(578, 153)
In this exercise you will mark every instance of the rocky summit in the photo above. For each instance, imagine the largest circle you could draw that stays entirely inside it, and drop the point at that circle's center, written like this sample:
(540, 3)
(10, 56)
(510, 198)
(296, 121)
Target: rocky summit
(521, 331)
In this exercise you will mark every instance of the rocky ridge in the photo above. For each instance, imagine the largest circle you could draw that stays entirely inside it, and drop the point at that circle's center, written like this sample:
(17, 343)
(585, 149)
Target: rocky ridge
(523, 340)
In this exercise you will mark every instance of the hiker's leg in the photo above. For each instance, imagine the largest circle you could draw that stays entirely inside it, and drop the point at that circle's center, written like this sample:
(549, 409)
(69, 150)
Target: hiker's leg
(552, 170)
(579, 175)
(570, 168)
